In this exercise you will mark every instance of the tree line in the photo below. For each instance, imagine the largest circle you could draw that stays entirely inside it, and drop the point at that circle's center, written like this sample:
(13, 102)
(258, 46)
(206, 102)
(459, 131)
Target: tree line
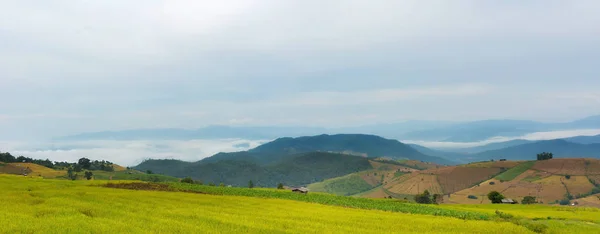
(80, 165)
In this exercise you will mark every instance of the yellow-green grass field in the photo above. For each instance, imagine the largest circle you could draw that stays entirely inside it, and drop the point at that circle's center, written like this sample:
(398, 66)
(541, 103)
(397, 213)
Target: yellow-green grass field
(559, 219)
(36, 205)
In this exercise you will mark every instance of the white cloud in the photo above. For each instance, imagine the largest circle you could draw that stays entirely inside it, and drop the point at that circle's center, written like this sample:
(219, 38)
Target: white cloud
(127, 153)
(535, 136)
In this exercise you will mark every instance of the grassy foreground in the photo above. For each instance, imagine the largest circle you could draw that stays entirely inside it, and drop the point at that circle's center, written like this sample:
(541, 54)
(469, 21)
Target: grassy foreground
(35, 205)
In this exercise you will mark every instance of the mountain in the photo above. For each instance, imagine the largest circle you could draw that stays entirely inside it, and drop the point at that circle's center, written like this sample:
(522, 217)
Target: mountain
(487, 147)
(560, 149)
(584, 139)
(357, 144)
(476, 131)
(485, 129)
(299, 169)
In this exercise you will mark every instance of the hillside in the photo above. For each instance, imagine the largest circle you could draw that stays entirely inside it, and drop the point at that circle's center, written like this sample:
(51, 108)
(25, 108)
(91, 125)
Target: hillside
(363, 181)
(560, 149)
(297, 169)
(547, 180)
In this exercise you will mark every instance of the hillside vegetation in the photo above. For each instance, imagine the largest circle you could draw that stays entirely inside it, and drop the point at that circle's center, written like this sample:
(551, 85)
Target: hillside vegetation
(301, 169)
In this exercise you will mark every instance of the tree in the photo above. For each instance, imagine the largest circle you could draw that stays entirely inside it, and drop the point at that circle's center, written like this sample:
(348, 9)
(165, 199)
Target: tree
(528, 200)
(250, 184)
(568, 177)
(149, 172)
(188, 180)
(85, 163)
(495, 197)
(423, 198)
(280, 186)
(77, 168)
(544, 156)
(70, 174)
(221, 185)
(88, 175)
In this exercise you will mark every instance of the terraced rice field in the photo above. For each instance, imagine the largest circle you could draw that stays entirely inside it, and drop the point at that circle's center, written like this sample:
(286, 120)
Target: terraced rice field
(31, 205)
(415, 184)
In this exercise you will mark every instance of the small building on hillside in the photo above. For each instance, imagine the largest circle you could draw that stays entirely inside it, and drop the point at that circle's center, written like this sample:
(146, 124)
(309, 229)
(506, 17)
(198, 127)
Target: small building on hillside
(300, 190)
(508, 201)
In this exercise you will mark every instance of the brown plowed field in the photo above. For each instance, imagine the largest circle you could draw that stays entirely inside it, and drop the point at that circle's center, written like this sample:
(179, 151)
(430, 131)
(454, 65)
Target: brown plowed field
(372, 177)
(592, 201)
(593, 166)
(375, 193)
(595, 178)
(453, 179)
(562, 166)
(578, 185)
(415, 184)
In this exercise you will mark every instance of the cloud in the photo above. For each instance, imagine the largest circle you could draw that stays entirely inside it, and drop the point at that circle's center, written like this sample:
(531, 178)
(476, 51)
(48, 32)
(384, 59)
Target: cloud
(128, 153)
(535, 136)
(109, 65)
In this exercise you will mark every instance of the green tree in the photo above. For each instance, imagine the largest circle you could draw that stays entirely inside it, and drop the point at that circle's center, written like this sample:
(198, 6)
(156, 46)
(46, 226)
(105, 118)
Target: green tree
(544, 156)
(495, 197)
(85, 163)
(423, 198)
(88, 175)
(71, 174)
(149, 172)
(221, 185)
(280, 186)
(528, 200)
(250, 184)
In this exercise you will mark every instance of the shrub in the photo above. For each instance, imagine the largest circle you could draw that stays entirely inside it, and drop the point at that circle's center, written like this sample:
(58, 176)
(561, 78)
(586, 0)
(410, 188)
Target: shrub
(88, 175)
(280, 186)
(568, 177)
(564, 202)
(528, 200)
(188, 180)
(504, 215)
(250, 184)
(472, 197)
(149, 172)
(492, 183)
(221, 185)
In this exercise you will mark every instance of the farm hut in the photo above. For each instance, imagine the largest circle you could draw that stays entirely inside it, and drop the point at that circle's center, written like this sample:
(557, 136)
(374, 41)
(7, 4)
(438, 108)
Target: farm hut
(508, 201)
(300, 190)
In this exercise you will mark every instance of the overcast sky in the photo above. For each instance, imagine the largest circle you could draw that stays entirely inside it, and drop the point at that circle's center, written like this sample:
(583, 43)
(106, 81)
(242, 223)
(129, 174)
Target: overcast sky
(75, 66)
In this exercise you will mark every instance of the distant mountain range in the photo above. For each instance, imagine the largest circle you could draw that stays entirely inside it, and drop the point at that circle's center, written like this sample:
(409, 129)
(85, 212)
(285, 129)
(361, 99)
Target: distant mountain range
(410, 130)
(574, 147)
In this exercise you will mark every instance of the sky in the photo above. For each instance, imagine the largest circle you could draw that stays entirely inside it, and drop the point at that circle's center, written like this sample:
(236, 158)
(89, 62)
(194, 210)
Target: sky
(78, 66)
